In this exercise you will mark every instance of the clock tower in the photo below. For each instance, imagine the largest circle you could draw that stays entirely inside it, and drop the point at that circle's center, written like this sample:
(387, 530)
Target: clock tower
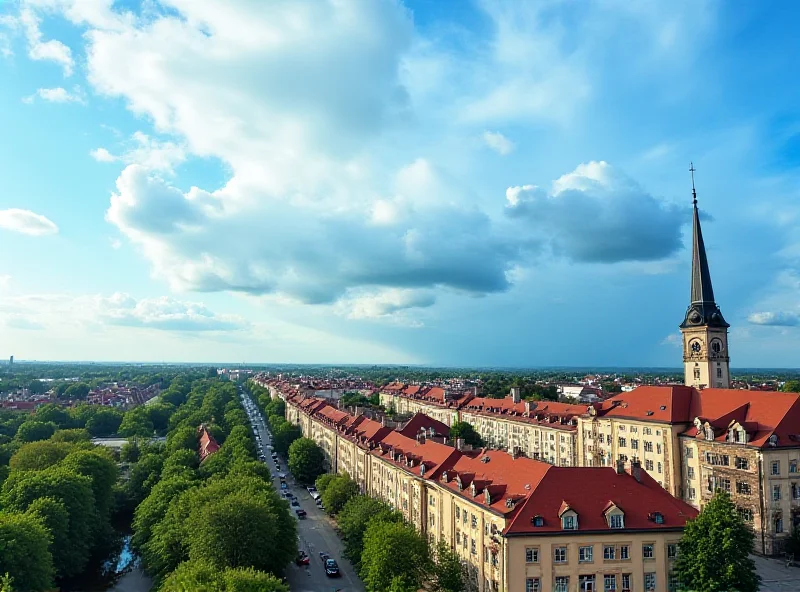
(706, 362)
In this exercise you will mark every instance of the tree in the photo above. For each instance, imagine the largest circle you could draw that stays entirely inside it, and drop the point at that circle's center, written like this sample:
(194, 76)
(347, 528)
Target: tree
(714, 550)
(394, 555)
(306, 460)
(96, 464)
(55, 518)
(181, 462)
(354, 518)
(283, 436)
(144, 475)
(104, 423)
(323, 481)
(154, 507)
(77, 391)
(75, 436)
(182, 438)
(5, 583)
(159, 414)
(33, 430)
(198, 576)
(130, 451)
(338, 493)
(136, 422)
(791, 386)
(448, 573)
(465, 431)
(24, 553)
(35, 456)
(55, 413)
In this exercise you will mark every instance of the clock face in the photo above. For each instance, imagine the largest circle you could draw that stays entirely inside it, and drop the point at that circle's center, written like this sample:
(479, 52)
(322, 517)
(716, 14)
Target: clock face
(695, 345)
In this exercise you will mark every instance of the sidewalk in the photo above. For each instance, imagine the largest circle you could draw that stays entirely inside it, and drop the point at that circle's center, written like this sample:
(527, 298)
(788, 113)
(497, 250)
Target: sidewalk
(775, 576)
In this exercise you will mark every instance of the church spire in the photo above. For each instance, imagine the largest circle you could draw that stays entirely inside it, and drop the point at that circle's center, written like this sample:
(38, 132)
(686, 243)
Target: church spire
(703, 310)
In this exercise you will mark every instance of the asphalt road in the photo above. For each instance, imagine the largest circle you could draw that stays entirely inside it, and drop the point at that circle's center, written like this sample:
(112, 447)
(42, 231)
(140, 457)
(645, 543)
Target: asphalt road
(315, 534)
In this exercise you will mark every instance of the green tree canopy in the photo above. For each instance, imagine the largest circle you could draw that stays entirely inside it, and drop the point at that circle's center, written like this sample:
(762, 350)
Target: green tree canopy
(144, 475)
(97, 464)
(154, 506)
(283, 436)
(74, 436)
(55, 413)
(306, 460)
(24, 552)
(197, 576)
(714, 552)
(791, 386)
(354, 518)
(55, 518)
(448, 572)
(104, 423)
(136, 422)
(77, 391)
(182, 438)
(322, 482)
(338, 492)
(465, 431)
(394, 554)
(32, 430)
(35, 456)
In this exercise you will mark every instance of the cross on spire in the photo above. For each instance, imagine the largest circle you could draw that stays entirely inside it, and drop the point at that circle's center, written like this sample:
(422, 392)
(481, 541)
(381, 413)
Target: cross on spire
(694, 193)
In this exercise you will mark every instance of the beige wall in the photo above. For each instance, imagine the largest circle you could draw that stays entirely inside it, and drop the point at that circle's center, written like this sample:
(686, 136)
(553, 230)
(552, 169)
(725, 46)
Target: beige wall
(706, 367)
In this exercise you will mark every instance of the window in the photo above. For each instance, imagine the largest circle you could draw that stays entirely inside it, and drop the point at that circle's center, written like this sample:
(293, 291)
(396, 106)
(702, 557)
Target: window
(538, 521)
(742, 488)
(532, 585)
(776, 467)
(624, 552)
(609, 552)
(778, 525)
(792, 466)
(658, 518)
(672, 551)
(622, 443)
(568, 522)
(634, 444)
(485, 554)
(586, 554)
(648, 446)
(626, 582)
(473, 548)
(720, 460)
(690, 472)
(691, 493)
(610, 582)
(650, 581)
(658, 448)
(561, 584)
(464, 541)
(795, 491)
(746, 514)
(647, 551)
(586, 583)
(697, 372)
(660, 469)
(532, 555)
(776, 492)
(458, 537)
(560, 555)
(719, 372)
(616, 521)
(742, 463)
(464, 517)
(433, 520)
(474, 521)
(689, 451)
(458, 512)
(673, 584)
(648, 465)
(715, 483)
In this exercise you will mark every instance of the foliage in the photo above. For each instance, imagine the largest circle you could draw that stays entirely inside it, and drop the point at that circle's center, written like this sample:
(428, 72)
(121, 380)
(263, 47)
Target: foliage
(182, 462)
(77, 391)
(55, 518)
(448, 573)
(39, 455)
(136, 422)
(74, 436)
(465, 431)
(791, 386)
(32, 430)
(354, 518)
(323, 481)
(130, 451)
(24, 554)
(283, 435)
(97, 464)
(714, 550)
(104, 423)
(144, 475)
(338, 492)
(55, 413)
(154, 507)
(306, 460)
(195, 576)
(395, 554)
(184, 437)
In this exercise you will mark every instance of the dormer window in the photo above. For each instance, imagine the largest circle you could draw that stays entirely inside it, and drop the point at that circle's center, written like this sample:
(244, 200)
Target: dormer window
(616, 521)
(709, 433)
(658, 517)
(569, 521)
(537, 521)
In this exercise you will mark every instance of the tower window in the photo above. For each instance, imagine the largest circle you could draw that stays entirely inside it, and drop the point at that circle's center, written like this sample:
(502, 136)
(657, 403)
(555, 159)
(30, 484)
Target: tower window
(697, 373)
(716, 346)
(719, 372)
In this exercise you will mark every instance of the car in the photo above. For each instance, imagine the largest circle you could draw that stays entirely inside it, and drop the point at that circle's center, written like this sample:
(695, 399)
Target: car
(331, 568)
(282, 475)
(301, 513)
(311, 489)
(302, 558)
(287, 494)
(324, 556)
(295, 502)
(283, 485)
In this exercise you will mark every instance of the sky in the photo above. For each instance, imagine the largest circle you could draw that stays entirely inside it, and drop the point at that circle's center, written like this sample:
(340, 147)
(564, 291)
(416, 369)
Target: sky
(436, 182)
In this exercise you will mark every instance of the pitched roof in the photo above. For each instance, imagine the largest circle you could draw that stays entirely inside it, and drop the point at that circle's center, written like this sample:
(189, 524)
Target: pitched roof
(562, 487)
(207, 444)
(669, 404)
(422, 421)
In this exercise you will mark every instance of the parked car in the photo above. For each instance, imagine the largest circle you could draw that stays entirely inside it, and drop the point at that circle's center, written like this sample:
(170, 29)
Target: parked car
(302, 558)
(311, 489)
(301, 513)
(295, 502)
(331, 568)
(283, 485)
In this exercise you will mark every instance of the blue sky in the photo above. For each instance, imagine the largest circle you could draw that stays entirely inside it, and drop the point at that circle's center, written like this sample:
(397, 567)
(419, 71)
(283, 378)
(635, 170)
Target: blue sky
(461, 183)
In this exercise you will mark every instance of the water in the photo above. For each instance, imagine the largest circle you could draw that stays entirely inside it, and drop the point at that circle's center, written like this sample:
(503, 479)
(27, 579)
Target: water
(120, 571)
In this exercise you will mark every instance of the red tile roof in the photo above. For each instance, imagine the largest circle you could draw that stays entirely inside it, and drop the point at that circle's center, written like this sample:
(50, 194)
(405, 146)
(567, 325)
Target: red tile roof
(422, 421)
(654, 403)
(208, 445)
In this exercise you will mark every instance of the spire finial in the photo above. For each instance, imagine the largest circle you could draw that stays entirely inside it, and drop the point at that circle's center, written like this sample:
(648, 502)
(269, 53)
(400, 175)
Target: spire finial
(694, 193)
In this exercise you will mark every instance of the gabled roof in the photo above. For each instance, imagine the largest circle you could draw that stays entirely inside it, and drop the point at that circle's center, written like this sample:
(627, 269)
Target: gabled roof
(422, 421)
(435, 456)
(564, 488)
(670, 404)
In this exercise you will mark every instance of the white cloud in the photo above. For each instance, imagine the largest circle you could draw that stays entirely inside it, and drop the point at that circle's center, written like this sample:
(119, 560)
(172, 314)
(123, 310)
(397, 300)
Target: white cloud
(56, 95)
(52, 50)
(168, 314)
(26, 222)
(673, 339)
(386, 304)
(152, 154)
(102, 155)
(116, 244)
(596, 214)
(775, 319)
(498, 142)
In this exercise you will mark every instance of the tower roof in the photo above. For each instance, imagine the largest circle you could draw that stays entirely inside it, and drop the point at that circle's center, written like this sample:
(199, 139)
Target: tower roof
(703, 310)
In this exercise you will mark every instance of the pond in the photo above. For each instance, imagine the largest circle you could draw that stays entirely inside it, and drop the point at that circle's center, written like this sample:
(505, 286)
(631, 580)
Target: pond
(120, 571)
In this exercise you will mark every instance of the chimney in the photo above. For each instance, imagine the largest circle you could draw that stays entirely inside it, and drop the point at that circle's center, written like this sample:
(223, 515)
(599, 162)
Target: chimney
(459, 443)
(516, 394)
(620, 467)
(529, 407)
(514, 452)
(636, 470)
(421, 437)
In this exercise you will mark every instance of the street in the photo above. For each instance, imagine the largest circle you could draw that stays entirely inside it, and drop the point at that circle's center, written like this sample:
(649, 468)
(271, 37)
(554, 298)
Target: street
(315, 534)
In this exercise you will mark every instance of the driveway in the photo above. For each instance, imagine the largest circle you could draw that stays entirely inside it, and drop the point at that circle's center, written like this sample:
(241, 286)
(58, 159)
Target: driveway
(315, 534)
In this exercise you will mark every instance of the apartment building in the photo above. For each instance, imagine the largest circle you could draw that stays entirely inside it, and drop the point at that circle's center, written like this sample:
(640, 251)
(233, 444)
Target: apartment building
(434, 401)
(518, 523)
